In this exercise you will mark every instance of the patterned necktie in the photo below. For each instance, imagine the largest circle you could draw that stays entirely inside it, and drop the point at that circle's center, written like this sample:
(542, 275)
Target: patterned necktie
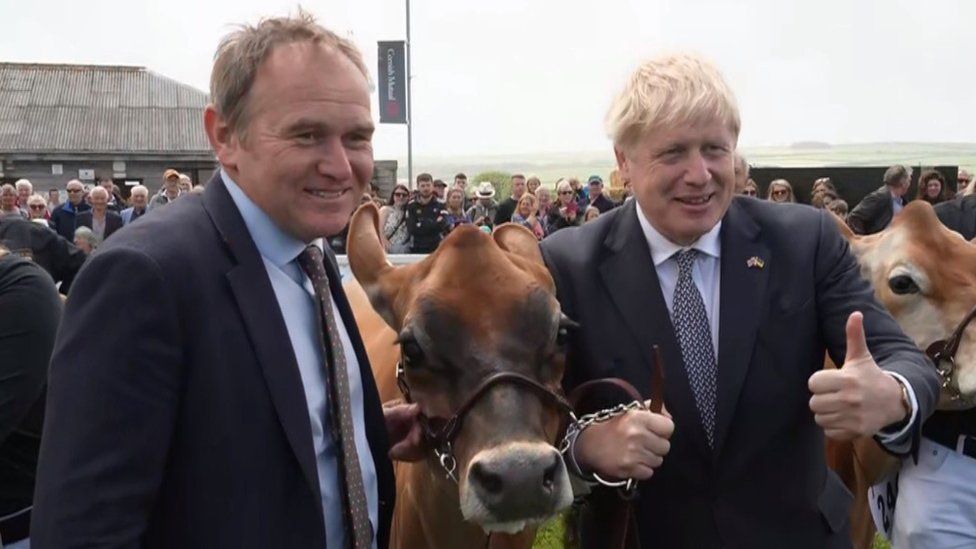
(357, 511)
(695, 337)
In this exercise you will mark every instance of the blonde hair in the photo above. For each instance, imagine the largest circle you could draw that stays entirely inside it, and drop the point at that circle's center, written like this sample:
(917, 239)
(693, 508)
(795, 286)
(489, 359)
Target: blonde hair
(667, 91)
(780, 183)
(242, 52)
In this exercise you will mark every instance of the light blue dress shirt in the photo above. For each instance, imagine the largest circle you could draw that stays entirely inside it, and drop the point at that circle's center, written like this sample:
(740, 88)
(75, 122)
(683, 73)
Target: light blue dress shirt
(707, 274)
(296, 299)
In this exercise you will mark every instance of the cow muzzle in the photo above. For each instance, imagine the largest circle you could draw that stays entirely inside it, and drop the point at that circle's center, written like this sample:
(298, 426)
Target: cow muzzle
(513, 486)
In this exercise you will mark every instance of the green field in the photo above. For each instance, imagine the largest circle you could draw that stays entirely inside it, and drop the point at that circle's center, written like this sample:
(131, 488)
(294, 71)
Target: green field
(550, 167)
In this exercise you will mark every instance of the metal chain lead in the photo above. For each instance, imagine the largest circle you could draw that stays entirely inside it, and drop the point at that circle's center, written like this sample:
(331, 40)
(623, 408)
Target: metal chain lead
(578, 425)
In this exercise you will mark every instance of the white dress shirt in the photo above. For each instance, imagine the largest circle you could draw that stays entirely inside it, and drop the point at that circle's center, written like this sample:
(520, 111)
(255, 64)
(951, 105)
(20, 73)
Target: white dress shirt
(296, 299)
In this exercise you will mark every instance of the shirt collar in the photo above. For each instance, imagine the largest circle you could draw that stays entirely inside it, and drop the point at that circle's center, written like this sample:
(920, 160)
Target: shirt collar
(273, 244)
(662, 249)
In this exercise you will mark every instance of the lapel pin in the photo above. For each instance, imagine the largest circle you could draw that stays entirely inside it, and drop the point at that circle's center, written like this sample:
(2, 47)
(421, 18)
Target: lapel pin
(755, 262)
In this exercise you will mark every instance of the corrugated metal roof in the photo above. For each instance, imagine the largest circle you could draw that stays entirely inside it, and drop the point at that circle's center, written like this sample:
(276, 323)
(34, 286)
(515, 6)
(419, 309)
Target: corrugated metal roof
(100, 109)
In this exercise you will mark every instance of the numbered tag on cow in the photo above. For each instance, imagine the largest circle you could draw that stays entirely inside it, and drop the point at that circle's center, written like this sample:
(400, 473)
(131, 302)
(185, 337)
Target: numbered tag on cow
(882, 497)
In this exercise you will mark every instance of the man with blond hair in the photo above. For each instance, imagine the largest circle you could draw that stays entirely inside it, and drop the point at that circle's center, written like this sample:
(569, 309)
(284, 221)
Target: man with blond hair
(233, 405)
(742, 298)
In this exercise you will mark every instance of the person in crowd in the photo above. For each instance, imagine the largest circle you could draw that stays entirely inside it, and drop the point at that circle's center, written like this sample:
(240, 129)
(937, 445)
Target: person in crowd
(526, 215)
(185, 184)
(425, 217)
(821, 184)
(63, 217)
(780, 191)
(822, 197)
(393, 221)
(591, 213)
(198, 189)
(31, 313)
(565, 212)
(53, 199)
(750, 188)
(138, 204)
(102, 221)
(115, 201)
(24, 191)
(507, 206)
(544, 197)
(876, 210)
(931, 187)
(532, 184)
(170, 190)
(45, 247)
(581, 194)
(838, 206)
(711, 470)
(964, 184)
(485, 209)
(741, 173)
(86, 240)
(599, 199)
(454, 214)
(255, 377)
(440, 190)
(37, 210)
(8, 202)
(461, 182)
(629, 190)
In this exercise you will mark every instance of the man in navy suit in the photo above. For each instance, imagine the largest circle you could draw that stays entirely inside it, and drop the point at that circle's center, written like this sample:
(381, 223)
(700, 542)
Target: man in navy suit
(213, 421)
(742, 297)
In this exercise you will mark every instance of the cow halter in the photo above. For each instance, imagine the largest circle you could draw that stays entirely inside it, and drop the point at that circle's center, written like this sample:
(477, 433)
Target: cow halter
(943, 354)
(441, 438)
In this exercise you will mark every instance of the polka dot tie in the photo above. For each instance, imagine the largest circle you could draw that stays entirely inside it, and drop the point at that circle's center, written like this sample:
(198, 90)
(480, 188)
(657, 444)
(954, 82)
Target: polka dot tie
(695, 337)
(354, 492)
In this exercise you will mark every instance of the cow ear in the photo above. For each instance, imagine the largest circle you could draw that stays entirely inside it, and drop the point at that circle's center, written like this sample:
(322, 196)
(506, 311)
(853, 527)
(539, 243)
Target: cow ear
(518, 240)
(844, 228)
(367, 259)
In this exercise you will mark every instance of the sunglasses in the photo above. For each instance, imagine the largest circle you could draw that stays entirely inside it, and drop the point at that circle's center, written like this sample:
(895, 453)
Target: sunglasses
(37, 206)
(73, 191)
(964, 181)
(780, 192)
(749, 192)
(565, 192)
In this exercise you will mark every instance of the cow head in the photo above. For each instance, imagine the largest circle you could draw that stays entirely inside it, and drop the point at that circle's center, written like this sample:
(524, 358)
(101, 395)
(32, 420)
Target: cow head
(925, 275)
(478, 306)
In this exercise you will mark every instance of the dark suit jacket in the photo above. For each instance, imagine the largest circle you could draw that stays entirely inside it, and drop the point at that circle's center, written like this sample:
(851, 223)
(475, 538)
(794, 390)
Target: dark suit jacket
(766, 484)
(959, 215)
(113, 221)
(59, 257)
(873, 213)
(192, 430)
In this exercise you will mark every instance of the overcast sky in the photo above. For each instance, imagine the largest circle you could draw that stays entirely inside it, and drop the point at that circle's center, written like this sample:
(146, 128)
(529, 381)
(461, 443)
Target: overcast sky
(495, 77)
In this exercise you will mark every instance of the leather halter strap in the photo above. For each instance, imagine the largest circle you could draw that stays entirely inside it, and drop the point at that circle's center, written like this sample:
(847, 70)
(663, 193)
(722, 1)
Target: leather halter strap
(944, 352)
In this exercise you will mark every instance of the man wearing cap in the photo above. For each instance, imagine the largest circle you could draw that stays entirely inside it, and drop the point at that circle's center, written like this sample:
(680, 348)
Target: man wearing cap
(485, 210)
(599, 200)
(440, 190)
(169, 192)
(507, 207)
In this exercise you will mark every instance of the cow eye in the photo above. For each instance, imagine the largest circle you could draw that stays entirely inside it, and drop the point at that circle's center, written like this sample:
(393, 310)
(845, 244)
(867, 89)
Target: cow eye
(903, 285)
(566, 326)
(412, 353)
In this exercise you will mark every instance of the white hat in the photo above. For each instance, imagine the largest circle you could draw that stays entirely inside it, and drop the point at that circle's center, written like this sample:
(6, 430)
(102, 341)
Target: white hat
(485, 190)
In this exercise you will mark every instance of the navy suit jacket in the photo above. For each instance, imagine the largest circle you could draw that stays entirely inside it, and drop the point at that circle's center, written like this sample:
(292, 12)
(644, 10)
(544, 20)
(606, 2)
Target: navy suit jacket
(766, 483)
(113, 221)
(189, 428)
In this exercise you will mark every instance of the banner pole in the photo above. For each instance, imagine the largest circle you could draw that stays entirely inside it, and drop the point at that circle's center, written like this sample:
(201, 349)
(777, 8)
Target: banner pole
(409, 106)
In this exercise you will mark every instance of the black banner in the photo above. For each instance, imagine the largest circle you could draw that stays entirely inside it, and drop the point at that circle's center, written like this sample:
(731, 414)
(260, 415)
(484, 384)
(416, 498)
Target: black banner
(393, 82)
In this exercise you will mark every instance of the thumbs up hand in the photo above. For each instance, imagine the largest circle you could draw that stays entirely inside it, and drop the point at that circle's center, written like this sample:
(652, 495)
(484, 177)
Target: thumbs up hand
(859, 398)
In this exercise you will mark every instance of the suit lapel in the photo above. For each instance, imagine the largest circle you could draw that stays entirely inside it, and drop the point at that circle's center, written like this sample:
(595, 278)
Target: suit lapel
(743, 287)
(632, 283)
(265, 328)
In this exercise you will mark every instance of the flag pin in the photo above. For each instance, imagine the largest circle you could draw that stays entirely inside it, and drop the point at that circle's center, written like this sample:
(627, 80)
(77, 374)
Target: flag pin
(755, 262)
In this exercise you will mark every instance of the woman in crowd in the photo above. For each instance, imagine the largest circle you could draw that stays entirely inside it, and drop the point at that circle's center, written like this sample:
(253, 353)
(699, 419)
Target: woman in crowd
(565, 212)
(544, 200)
(86, 240)
(454, 207)
(526, 215)
(532, 184)
(393, 221)
(780, 190)
(839, 207)
(931, 187)
(591, 214)
(750, 189)
(8, 203)
(37, 209)
(186, 184)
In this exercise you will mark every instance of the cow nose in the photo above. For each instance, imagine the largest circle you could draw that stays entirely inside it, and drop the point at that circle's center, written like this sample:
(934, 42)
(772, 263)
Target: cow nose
(521, 483)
